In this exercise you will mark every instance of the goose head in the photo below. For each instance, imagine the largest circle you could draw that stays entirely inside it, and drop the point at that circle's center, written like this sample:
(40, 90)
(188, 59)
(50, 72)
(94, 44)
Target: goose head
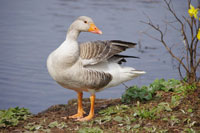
(84, 24)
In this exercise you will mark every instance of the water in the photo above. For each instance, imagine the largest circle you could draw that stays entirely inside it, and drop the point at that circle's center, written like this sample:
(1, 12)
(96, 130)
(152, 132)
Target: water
(30, 30)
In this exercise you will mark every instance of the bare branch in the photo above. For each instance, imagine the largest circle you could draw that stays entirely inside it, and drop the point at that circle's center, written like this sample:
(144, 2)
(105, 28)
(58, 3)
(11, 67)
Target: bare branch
(195, 24)
(151, 36)
(164, 43)
(165, 31)
(179, 68)
(189, 1)
(190, 25)
(173, 13)
(195, 46)
(191, 45)
(198, 63)
(172, 26)
(188, 21)
(182, 25)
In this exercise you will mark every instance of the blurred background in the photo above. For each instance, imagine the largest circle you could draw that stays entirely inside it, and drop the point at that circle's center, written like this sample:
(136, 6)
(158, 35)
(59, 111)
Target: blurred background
(31, 30)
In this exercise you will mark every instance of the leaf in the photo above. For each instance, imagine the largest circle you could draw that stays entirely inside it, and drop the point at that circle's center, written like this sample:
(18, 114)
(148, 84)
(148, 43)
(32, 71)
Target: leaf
(62, 125)
(136, 126)
(165, 106)
(128, 127)
(118, 118)
(53, 124)
(12, 116)
(58, 125)
(33, 127)
(37, 127)
(90, 130)
(189, 110)
(165, 119)
(108, 111)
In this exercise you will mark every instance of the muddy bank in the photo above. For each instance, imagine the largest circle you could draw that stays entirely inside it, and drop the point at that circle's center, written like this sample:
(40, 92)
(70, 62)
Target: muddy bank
(167, 112)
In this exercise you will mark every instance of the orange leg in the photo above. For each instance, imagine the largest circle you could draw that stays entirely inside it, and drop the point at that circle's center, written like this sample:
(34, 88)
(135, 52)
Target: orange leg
(80, 108)
(91, 114)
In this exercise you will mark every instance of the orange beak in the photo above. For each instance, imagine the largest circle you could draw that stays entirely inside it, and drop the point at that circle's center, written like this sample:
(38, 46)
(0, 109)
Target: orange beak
(94, 29)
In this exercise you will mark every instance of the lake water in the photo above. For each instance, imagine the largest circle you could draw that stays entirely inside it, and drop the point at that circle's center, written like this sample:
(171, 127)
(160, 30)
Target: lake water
(30, 30)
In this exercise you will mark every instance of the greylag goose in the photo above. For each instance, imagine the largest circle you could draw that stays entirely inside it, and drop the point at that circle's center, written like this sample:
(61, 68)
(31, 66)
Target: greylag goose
(90, 66)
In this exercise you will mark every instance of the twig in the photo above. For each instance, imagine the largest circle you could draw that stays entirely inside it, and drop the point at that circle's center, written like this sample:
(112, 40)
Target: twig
(164, 43)
(125, 85)
(198, 63)
(195, 47)
(191, 45)
(179, 69)
(182, 25)
(169, 23)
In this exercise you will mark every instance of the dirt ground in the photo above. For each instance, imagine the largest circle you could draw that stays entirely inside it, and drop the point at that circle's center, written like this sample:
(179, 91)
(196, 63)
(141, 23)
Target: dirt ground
(56, 112)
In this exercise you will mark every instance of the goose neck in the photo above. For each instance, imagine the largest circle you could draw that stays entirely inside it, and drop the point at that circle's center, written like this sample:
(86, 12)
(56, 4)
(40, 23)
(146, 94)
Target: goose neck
(72, 34)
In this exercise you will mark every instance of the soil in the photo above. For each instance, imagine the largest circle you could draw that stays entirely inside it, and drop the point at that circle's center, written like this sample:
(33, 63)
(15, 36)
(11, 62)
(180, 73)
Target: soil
(57, 112)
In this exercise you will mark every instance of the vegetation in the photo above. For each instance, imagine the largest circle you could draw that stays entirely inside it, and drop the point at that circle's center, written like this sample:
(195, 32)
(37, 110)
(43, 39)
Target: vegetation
(146, 93)
(12, 116)
(33, 126)
(154, 108)
(90, 130)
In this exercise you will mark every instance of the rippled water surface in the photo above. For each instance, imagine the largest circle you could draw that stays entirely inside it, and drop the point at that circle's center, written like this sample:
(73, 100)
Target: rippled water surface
(30, 30)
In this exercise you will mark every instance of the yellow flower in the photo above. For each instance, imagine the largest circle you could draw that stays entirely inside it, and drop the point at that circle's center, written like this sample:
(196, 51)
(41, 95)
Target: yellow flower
(198, 35)
(193, 12)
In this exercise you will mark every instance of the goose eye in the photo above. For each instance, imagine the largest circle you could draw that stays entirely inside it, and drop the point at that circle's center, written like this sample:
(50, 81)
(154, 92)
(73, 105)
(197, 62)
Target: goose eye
(85, 22)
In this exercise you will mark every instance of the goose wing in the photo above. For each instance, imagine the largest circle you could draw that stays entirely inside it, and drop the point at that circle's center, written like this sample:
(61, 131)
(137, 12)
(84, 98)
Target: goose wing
(92, 53)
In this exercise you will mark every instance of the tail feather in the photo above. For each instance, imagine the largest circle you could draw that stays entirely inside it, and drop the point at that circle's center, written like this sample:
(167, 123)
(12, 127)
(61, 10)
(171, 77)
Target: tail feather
(140, 72)
(122, 74)
(129, 73)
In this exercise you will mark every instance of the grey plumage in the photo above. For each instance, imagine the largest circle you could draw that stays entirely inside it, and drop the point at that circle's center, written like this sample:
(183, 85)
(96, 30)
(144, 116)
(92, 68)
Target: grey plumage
(95, 52)
(95, 79)
(98, 51)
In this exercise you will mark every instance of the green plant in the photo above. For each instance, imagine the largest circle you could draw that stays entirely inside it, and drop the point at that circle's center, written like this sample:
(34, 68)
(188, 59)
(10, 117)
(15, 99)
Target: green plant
(39, 126)
(189, 130)
(90, 130)
(114, 110)
(150, 129)
(161, 84)
(189, 110)
(103, 120)
(141, 112)
(164, 106)
(33, 126)
(174, 120)
(118, 118)
(175, 100)
(12, 116)
(57, 125)
(146, 93)
(137, 93)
